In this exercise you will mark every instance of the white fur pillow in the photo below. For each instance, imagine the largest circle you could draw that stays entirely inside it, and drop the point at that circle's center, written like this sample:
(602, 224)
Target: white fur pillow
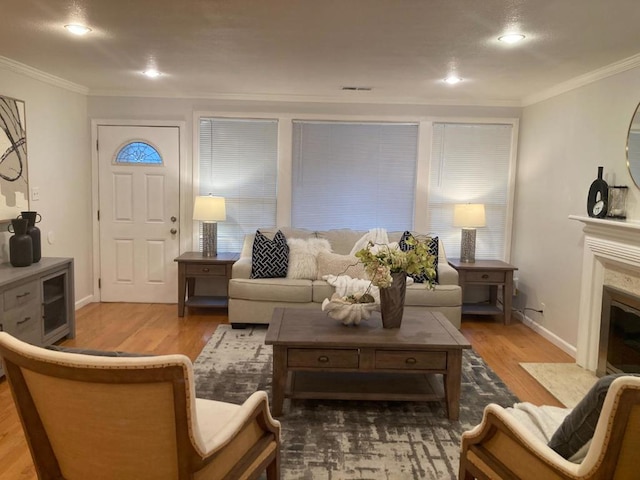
(302, 256)
(335, 264)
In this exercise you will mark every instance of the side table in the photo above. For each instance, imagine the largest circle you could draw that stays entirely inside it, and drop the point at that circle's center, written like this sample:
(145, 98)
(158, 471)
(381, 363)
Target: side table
(192, 266)
(494, 273)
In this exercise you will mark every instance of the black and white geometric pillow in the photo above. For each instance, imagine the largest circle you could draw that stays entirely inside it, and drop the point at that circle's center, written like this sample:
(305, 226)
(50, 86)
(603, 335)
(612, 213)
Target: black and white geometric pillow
(433, 250)
(270, 258)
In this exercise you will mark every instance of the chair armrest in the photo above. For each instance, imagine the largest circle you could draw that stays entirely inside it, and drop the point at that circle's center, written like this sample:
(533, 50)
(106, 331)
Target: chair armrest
(241, 268)
(501, 446)
(447, 275)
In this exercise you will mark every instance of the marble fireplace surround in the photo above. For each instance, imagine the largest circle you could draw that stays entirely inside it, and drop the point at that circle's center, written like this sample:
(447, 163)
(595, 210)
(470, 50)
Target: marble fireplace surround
(611, 256)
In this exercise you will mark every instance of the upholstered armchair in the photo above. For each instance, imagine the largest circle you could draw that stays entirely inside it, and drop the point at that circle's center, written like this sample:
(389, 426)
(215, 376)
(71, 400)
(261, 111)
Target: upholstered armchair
(87, 416)
(501, 447)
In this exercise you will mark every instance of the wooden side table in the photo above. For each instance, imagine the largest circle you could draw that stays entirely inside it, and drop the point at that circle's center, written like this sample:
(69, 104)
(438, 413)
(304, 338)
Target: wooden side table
(494, 273)
(191, 266)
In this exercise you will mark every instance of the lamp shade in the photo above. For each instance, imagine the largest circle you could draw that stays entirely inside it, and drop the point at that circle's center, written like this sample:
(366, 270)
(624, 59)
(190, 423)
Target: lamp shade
(208, 208)
(469, 215)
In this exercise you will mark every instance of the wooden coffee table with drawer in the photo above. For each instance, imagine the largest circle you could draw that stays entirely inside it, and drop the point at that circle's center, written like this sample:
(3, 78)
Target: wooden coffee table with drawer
(315, 356)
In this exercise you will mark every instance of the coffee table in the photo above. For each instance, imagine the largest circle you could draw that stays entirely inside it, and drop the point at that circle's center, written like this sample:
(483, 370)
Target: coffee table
(315, 356)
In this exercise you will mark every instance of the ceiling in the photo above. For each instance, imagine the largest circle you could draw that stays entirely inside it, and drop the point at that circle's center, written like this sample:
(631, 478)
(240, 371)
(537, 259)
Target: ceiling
(307, 50)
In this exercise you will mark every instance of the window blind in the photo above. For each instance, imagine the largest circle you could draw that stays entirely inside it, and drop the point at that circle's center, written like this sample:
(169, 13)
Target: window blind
(470, 164)
(238, 161)
(353, 175)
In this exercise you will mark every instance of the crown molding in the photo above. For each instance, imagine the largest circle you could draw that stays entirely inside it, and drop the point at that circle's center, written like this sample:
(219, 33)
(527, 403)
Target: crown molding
(357, 97)
(582, 80)
(17, 67)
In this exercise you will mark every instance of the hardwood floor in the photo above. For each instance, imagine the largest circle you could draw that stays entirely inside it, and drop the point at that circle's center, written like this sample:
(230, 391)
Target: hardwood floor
(156, 328)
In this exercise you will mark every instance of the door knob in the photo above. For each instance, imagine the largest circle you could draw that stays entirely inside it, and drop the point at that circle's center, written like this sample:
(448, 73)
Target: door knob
(173, 231)
(173, 219)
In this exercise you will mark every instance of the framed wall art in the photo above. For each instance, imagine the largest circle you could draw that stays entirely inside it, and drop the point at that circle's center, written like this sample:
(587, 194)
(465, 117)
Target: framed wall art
(14, 186)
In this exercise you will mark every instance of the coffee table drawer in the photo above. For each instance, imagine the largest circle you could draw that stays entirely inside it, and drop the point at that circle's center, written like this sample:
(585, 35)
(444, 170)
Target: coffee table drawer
(408, 360)
(322, 358)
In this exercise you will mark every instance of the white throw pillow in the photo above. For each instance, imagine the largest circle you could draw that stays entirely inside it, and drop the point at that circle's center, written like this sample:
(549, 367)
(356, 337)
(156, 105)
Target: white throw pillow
(335, 264)
(303, 254)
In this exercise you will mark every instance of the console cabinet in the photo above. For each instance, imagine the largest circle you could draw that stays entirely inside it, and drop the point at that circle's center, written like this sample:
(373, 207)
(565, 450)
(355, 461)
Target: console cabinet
(37, 302)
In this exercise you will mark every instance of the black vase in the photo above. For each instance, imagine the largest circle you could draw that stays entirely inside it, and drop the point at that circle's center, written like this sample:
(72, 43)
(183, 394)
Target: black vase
(20, 244)
(34, 233)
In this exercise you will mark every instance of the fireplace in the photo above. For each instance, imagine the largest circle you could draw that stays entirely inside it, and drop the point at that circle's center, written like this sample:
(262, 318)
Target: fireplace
(619, 350)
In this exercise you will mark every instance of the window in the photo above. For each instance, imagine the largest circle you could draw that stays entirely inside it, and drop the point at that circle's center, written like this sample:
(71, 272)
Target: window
(353, 175)
(471, 163)
(139, 153)
(238, 161)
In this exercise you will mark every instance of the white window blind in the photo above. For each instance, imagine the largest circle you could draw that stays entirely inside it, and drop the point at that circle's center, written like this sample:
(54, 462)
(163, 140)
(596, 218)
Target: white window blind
(238, 161)
(353, 175)
(470, 164)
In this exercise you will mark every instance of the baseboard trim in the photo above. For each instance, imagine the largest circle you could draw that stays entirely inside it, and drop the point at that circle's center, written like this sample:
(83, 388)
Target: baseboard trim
(84, 301)
(544, 333)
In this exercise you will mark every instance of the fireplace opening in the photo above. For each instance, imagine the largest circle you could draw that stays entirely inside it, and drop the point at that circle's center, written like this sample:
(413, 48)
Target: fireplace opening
(619, 350)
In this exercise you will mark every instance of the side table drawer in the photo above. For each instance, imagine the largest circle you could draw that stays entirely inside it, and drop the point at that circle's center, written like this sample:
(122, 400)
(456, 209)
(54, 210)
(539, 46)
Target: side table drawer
(18, 296)
(206, 269)
(487, 277)
(322, 358)
(24, 323)
(408, 360)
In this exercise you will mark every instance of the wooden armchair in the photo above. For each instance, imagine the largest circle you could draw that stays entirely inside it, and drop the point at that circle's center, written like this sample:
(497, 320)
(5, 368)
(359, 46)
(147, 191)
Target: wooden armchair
(136, 418)
(501, 448)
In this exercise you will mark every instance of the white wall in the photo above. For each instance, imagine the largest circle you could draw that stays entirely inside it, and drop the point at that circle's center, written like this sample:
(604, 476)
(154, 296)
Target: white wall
(59, 164)
(563, 140)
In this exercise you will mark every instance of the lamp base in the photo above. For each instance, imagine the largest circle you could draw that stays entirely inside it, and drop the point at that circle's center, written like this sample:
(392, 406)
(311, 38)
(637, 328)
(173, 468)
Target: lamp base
(468, 245)
(209, 239)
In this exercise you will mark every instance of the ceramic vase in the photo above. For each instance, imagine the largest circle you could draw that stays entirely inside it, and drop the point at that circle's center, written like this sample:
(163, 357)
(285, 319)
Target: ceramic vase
(34, 232)
(20, 244)
(392, 301)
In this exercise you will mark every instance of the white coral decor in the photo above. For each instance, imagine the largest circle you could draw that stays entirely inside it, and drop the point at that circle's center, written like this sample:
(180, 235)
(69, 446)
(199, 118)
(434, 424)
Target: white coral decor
(347, 310)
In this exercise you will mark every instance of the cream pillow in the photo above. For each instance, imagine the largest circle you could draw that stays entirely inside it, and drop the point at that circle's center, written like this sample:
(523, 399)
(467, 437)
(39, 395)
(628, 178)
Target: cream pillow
(303, 263)
(335, 264)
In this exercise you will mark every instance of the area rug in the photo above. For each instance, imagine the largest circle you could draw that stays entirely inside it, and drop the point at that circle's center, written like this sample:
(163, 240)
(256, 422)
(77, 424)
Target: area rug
(344, 440)
(566, 381)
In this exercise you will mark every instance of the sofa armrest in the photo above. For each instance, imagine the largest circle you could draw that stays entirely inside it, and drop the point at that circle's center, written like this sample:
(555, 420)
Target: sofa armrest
(447, 275)
(241, 268)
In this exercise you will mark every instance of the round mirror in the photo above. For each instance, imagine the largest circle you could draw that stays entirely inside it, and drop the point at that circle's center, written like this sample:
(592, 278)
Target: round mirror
(633, 147)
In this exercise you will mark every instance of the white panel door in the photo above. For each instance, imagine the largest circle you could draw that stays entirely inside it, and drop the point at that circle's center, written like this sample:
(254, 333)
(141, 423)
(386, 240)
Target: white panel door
(139, 207)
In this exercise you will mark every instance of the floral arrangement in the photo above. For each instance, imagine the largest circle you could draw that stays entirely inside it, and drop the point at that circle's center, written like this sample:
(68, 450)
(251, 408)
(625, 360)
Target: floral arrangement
(380, 261)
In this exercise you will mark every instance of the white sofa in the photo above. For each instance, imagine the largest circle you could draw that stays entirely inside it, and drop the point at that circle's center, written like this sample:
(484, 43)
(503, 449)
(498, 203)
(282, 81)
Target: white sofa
(252, 300)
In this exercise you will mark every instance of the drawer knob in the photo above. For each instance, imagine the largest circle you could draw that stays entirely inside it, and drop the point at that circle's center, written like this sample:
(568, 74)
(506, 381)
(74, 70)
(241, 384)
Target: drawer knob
(411, 361)
(26, 294)
(485, 276)
(205, 270)
(323, 359)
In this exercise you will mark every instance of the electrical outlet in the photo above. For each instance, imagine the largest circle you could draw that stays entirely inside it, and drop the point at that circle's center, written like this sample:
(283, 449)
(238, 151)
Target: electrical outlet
(35, 194)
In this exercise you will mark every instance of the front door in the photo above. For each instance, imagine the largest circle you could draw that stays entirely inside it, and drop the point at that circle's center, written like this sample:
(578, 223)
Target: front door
(138, 213)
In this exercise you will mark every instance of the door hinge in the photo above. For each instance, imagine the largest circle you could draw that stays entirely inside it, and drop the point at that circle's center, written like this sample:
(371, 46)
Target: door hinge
(97, 144)
(99, 283)
(98, 215)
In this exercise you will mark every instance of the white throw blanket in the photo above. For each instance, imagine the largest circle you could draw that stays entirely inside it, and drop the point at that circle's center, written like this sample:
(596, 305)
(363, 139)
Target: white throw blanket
(345, 285)
(375, 235)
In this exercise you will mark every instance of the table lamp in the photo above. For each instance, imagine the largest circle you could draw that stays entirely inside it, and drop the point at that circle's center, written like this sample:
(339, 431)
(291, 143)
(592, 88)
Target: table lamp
(209, 210)
(468, 216)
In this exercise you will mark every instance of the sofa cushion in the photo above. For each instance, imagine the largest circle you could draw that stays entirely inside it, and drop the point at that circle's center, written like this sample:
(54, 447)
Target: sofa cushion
(247, 246)
(271, 290)
(342, 240)
(419, 294)
(433, 250)
(336, 264)
(303, 253)
(270, 258)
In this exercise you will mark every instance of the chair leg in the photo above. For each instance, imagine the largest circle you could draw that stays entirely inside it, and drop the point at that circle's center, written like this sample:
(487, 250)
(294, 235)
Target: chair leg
(273, 469)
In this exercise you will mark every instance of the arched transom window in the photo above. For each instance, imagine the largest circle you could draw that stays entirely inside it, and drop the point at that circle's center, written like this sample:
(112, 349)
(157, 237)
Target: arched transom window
(139, 153)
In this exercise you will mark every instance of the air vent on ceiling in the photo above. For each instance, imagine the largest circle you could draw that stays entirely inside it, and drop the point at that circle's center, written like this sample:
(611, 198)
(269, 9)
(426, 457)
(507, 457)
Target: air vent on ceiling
(358, 89)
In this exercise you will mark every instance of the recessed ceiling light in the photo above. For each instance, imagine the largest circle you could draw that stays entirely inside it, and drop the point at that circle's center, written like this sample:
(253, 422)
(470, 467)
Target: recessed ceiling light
(511, 38)
(452, 79)
(77, 29)
(151, 73)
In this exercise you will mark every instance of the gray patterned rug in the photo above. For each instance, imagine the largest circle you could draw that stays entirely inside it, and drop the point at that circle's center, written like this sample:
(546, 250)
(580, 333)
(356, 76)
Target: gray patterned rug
(344, 440)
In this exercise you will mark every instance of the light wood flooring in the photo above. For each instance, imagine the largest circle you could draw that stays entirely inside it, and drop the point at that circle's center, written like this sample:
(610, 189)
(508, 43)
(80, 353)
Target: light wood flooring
(156, 329)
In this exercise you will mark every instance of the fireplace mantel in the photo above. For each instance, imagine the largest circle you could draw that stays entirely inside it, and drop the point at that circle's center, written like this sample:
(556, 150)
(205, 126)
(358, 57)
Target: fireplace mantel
(608, 244)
